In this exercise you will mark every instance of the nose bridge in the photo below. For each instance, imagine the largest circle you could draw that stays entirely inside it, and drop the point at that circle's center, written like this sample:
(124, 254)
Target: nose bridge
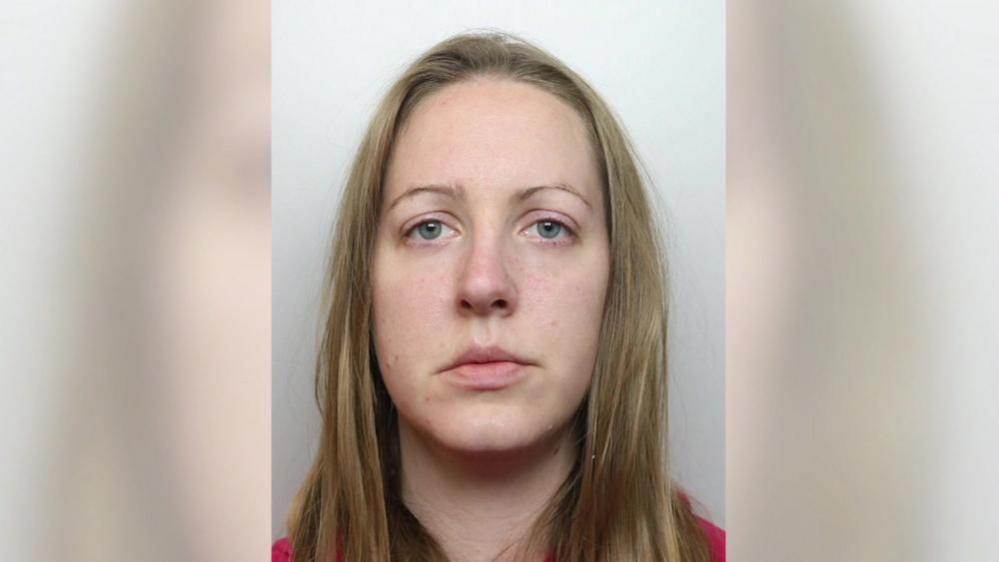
(486, 286)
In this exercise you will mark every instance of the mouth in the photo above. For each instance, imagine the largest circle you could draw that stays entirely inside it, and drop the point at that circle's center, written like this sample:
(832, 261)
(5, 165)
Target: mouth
(487, 368)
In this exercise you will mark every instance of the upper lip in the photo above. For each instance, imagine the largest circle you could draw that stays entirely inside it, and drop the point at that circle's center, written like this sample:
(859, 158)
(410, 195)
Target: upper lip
(486, 354)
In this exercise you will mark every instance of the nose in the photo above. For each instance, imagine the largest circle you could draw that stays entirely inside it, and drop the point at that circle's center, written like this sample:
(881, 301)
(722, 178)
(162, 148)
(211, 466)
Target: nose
(485, 287)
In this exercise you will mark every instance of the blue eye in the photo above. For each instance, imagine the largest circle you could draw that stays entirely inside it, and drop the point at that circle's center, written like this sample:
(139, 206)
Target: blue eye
(429, 230)
(550, 229)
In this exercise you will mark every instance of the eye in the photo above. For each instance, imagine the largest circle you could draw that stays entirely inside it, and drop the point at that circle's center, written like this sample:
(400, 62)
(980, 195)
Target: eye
(428, 230)
(550, 230)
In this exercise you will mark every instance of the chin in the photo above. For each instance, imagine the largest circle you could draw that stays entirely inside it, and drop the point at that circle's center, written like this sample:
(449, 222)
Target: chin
(491, 442)
(492, 433)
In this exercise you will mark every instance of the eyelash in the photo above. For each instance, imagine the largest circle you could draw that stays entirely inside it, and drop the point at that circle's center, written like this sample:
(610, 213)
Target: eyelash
(570, 234)
(409, 235)
(569, 237)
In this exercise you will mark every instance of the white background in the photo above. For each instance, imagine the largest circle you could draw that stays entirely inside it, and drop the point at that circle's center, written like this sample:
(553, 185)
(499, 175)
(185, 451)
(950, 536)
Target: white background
(660, 65)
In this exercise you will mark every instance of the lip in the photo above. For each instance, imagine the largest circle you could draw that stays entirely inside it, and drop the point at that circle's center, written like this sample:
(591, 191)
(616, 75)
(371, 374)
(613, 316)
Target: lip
(487, 368)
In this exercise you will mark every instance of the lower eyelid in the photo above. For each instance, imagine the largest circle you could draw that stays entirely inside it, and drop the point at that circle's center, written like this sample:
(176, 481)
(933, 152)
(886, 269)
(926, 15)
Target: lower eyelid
(409, 233)
(569, 231)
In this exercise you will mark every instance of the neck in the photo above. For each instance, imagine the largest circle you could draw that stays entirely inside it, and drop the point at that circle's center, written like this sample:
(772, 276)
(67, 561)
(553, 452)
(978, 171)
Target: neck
(480, 507)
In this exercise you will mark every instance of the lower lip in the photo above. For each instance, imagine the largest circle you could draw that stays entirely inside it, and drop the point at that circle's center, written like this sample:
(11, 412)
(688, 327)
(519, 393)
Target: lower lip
(496, 375)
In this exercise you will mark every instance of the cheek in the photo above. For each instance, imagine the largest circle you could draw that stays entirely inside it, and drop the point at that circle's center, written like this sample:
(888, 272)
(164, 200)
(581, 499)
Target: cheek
(566, 293)
(564, 307)
(408, 314)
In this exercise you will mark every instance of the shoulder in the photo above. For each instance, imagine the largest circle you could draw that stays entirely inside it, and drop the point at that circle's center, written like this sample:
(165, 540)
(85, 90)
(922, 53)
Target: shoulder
(716, 539)
(281, 551)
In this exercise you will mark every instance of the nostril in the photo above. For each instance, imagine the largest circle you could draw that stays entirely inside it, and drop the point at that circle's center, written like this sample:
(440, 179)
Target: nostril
(484, 306)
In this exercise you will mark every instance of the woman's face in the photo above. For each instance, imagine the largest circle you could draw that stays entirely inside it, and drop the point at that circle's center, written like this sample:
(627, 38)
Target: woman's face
(490, 267)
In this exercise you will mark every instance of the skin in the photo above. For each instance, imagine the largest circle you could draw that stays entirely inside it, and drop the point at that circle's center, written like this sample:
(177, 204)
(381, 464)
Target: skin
(488, 270)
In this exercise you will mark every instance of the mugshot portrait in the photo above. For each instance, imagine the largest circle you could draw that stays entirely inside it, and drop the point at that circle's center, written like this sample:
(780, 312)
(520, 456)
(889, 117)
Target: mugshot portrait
(498, 302)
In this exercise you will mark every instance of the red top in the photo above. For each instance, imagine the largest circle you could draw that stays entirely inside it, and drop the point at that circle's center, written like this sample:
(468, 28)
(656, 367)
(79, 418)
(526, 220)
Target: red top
(281, 551)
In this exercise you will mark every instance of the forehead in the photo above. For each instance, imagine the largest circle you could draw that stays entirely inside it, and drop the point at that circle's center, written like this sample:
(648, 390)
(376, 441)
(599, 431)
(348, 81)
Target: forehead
(493, 135)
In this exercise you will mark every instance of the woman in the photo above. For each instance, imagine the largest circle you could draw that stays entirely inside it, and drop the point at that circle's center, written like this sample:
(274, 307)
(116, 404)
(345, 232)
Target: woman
(492, 378)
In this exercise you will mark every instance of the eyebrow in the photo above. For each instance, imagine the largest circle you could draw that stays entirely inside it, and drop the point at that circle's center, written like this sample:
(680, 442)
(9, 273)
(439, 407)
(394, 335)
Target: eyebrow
(453, 192)
(527, 193)
(456, 192)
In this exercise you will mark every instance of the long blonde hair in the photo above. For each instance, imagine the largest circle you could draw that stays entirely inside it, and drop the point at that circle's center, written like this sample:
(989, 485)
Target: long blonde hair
(618, 502)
